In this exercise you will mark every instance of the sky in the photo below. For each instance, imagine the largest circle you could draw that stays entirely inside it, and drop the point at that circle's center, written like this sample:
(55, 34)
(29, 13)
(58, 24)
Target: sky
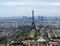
(25, 7)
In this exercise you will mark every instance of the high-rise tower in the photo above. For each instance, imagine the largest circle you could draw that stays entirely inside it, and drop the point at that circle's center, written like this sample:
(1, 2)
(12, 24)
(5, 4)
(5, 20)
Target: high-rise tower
(33, 27)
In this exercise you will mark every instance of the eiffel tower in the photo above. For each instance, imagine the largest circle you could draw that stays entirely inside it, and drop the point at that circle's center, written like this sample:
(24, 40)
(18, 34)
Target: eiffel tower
(33, 27)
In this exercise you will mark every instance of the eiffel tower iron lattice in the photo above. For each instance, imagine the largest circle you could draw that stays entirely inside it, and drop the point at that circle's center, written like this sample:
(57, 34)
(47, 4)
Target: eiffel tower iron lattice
(33, 23)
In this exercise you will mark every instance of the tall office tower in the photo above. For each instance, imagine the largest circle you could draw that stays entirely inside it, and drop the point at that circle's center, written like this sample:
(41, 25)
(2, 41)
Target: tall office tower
(33, 27)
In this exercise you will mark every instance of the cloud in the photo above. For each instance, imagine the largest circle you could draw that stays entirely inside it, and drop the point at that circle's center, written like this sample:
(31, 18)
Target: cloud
(29, 0)
(15, 0)
(25, 8)
(29, 3)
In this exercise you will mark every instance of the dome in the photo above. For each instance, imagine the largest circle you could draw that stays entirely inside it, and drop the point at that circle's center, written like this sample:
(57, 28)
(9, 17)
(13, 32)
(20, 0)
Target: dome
(41, 39)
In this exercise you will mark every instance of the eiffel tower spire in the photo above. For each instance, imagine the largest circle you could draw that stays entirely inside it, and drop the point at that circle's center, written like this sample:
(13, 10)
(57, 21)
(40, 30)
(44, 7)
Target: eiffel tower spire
(33, 23)
(32, 16)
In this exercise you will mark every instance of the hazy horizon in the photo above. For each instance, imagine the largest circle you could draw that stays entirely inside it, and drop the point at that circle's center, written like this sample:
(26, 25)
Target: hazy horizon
(24, 7)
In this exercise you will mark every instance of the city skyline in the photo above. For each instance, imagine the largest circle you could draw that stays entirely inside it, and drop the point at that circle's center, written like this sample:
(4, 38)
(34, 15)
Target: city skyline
(24, 7)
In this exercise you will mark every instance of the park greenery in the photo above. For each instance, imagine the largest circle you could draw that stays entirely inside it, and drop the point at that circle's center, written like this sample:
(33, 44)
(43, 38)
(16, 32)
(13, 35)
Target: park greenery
(26, 32)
